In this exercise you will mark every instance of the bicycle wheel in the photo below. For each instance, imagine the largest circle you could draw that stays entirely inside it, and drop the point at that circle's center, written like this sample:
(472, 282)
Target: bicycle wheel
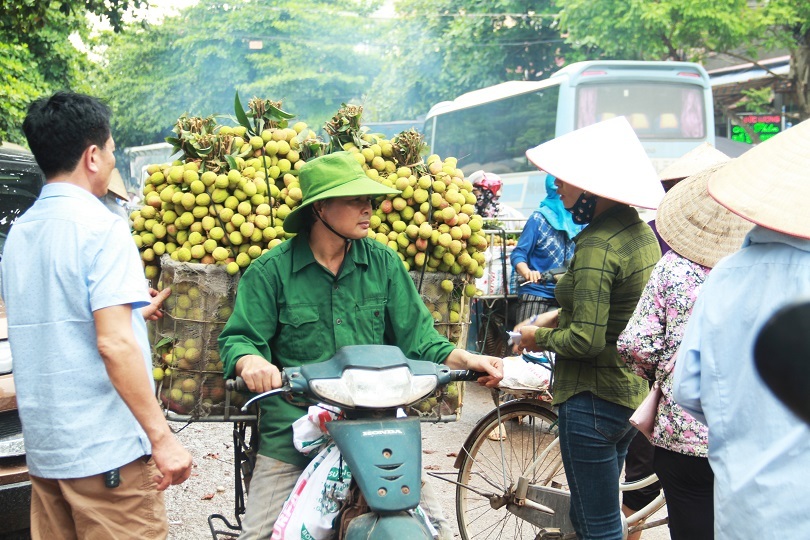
(492, 466)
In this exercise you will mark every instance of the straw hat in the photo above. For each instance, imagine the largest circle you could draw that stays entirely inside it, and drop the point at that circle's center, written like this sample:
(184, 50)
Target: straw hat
(333, 175)
(695, 225)
(116, 185)
(605, 159)
(764, 184)
(692, 162)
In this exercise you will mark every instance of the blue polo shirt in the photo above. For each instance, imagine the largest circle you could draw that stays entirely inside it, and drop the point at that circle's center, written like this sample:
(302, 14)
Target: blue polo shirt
(66, 257)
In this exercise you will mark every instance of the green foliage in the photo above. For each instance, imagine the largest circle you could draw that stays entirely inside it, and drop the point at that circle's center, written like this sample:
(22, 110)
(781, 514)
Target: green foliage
(19, 80)
(442, 48)
(37, 56)
(311, 59)
(31, 16)
(663, 30)
(757, 100)
(261, 114)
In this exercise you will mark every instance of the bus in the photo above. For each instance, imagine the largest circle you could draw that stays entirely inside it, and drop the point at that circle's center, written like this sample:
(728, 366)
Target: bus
(392, 128)
(669, 105)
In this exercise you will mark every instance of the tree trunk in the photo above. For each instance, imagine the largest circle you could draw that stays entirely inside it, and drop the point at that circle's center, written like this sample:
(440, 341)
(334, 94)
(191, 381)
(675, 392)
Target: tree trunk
(800, 74)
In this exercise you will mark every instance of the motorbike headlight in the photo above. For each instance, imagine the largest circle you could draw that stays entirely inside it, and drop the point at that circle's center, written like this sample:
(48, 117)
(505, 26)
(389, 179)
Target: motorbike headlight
(368, 388)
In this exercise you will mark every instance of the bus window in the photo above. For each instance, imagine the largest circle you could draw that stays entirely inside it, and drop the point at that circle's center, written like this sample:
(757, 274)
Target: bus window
(655, 110)
(494, 136)
(391, 129)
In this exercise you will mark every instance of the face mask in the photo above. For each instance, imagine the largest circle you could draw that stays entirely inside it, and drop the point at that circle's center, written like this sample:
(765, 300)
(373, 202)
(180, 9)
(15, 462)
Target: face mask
(583, 209)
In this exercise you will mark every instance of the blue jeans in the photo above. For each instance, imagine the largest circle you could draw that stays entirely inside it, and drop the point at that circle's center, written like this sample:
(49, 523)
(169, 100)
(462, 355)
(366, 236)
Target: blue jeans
(594, 436)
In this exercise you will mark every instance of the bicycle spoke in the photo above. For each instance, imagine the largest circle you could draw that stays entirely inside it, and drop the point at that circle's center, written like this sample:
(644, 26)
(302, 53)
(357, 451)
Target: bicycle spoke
(528, 431)
(486, 479)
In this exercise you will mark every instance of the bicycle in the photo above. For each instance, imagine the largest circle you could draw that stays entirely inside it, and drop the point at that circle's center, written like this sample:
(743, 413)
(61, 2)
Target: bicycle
(513, 485)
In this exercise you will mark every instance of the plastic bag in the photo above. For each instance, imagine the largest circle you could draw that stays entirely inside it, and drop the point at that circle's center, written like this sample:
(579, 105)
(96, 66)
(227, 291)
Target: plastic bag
(314, 503)
(519, 374)
(309, 432)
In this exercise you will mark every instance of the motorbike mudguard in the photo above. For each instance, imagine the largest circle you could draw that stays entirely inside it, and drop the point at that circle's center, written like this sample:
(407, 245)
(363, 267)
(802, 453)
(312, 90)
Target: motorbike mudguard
(385, 457)
(397, 526)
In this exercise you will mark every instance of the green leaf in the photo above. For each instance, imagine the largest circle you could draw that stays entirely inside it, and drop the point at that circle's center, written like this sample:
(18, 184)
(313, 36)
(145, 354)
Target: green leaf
(278, 113)
(177, 144)
(163, 342)
(232, 162)
(241, 117)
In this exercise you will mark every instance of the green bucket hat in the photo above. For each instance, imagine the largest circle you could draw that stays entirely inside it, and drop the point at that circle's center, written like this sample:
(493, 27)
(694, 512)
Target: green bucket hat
(333, 175)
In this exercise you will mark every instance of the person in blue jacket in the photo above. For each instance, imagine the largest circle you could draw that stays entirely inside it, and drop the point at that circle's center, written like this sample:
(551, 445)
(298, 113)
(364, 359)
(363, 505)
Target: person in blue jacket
(545, 243)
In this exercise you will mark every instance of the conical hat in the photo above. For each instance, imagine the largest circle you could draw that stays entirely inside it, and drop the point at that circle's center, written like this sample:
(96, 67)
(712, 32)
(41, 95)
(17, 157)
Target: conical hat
(605, 159)
(693, 162)
(770, 184)
(695, 225)
(116, 185)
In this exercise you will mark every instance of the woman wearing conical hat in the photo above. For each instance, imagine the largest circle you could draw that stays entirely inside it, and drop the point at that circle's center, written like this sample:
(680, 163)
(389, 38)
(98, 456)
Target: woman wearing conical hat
(602, 172)
(700, 232)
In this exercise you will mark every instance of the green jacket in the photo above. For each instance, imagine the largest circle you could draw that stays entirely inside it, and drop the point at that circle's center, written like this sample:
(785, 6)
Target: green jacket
(290, 311)
(613, 259)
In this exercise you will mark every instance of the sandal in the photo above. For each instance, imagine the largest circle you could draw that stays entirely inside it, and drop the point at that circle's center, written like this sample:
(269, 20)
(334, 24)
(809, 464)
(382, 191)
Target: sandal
(498, 434)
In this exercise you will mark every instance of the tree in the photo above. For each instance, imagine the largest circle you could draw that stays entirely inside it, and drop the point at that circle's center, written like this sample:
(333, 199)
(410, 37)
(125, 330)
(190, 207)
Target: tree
(692, 29)
(27, 16)
(443, 48)
(664, 30)
(37, 56)
(788, 24)
(311, 57)
(35, 63)
(18, 82)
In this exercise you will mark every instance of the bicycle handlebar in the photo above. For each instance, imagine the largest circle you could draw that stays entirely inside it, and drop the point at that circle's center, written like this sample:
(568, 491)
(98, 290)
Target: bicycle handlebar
(551, 276)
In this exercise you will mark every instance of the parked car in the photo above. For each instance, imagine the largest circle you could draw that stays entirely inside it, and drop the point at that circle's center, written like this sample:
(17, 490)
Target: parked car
(20, 183)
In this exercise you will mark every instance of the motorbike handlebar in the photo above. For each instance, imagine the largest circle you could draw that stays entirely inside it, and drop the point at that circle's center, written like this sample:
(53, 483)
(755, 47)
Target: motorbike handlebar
(239, 385)
(466, 375)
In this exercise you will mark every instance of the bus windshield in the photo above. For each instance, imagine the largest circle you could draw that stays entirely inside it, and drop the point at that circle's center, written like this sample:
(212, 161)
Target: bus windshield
(494, 136)
(657, 111)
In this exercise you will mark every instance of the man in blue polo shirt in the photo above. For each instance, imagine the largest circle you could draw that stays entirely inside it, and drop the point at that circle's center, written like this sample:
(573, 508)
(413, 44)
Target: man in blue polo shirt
(73, 286)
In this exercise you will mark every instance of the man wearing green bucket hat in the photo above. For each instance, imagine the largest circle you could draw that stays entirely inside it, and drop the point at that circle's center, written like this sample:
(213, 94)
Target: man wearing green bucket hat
(328, 287)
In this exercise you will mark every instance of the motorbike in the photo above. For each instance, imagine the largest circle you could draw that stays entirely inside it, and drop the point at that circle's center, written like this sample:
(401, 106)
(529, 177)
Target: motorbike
(369, 383)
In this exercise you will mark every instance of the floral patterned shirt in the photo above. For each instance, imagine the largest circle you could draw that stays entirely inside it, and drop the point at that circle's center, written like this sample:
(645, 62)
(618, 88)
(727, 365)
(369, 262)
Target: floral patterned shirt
(653, 335)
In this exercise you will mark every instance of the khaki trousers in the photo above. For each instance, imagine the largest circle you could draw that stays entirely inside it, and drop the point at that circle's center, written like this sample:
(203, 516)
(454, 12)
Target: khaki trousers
(83, 508)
